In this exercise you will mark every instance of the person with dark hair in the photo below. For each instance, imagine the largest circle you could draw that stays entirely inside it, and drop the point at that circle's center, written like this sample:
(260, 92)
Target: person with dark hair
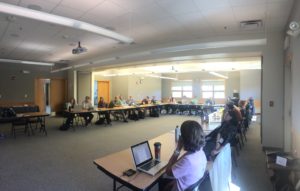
(191, 167)
(103, 104)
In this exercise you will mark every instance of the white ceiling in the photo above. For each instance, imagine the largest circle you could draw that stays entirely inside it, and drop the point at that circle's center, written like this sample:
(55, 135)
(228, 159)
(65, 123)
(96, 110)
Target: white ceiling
(149, 22)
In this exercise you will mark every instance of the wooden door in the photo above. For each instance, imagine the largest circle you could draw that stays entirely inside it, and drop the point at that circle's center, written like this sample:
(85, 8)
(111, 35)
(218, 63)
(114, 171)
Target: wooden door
(103, 90)
(58, 94)
(39, 94)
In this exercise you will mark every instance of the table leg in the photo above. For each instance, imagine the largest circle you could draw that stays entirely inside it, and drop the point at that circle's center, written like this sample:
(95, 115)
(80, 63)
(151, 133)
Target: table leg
(115, 185)
(43, 125)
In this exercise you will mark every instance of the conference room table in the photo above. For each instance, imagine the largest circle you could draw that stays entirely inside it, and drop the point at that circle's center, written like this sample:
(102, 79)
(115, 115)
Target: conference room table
(39, 117)
(135, 107)
(115, 164)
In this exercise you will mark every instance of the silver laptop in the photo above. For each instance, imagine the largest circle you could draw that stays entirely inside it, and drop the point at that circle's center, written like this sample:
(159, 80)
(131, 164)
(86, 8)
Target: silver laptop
(144, 161)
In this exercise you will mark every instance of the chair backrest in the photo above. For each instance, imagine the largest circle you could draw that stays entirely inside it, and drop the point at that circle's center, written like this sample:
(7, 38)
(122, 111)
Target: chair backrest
(220, 173)
(195, 186)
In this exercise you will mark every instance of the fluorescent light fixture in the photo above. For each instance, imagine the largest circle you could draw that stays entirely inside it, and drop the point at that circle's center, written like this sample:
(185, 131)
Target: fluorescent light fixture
(64, 21)
(109, 75)
(211, 45)
(61, 69)
(27, 62)
(162, 77)
(219, 75)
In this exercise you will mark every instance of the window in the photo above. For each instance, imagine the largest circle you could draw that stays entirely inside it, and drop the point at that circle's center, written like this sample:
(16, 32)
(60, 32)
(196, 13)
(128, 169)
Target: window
(213, 89)
(181, 89)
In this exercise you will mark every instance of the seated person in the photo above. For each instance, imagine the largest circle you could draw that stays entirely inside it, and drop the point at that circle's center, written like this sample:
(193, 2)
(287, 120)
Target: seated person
(191, 167)
(172, 100)
(117, 103)
(209, 101)
(122, 101)
(184, 100)
(130, 101)
(153, 100)
(231, 114)
(102, 104)
(70, 116)
(194, 101)
(146, 101)
(86, 104)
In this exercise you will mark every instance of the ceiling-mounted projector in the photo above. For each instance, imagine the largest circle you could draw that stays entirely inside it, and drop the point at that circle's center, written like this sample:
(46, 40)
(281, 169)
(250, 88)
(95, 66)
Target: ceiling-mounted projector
(79, 49)
(294, 29)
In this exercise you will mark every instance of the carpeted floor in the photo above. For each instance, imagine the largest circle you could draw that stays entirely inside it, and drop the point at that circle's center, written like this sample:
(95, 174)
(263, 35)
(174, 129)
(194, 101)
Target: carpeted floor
(63, 161)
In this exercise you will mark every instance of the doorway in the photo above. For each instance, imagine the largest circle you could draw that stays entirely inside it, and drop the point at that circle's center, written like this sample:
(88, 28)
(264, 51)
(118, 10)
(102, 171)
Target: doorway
(103, 90)
(50, 94)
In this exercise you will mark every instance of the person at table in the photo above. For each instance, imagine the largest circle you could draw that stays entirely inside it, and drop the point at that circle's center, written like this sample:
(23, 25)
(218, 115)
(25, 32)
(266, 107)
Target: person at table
(130, 101)
(117, 103)
(146, 100)
(172, 107)
(122, 101)
(153, 100)
(191, 167)
(88, 116)
(172, 100)
(209, 101)
(70, 117)
(103, 104)
(194, 101)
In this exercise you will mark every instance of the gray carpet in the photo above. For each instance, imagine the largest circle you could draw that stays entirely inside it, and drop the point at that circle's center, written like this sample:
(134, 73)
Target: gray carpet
(64, 160)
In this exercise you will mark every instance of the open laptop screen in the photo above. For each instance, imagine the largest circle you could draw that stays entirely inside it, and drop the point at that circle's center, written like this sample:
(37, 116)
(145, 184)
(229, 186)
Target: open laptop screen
(141, 153)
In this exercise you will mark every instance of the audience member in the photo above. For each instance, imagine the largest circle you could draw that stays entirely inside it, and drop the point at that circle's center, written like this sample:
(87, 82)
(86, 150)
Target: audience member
(130, 101)
(146, 100)
(194, 101)
(102, 104)
(153, 100)
(86, 104)
(192, 165)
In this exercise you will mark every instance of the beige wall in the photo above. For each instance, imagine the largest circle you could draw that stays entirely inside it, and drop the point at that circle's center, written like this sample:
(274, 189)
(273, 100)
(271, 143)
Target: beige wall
(119, 86)
(16, 86)
(295, 70)
(84, 82)
(250, 86)
(140, 88)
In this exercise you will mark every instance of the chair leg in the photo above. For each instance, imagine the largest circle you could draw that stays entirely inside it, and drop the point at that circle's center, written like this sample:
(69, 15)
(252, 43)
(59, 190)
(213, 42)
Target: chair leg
(13, 131)
(234, 155)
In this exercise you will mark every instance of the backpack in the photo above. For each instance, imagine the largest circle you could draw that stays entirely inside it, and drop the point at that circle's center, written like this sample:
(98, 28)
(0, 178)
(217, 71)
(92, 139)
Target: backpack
(64, 127)
(141, 114)
(100, 121)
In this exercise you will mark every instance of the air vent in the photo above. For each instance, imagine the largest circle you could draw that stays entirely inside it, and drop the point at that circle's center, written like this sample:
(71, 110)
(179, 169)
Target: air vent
(251, 25)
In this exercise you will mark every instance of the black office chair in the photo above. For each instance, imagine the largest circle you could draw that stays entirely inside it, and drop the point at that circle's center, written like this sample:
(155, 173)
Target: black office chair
(21, 122)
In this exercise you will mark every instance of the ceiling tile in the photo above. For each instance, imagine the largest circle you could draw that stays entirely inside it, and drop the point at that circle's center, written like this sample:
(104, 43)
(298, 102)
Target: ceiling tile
(80, 5)
(13, 2)
(67, 12)
(131, 5)
(279, 9)
(212, 4)
(252, 12)
(45, 5)
(244, 3)
(151, 14)
(107, 11)
(178, 7)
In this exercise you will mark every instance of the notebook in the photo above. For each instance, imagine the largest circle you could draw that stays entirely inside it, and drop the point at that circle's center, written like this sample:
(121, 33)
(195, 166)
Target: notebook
(144, 161)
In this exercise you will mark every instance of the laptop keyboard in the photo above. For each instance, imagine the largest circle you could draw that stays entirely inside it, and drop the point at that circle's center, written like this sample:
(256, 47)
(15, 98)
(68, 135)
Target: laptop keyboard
(150, 164)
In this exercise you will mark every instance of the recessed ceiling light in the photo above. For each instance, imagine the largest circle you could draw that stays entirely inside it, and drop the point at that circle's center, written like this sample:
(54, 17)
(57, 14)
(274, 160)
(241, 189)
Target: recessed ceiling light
(34, 7)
